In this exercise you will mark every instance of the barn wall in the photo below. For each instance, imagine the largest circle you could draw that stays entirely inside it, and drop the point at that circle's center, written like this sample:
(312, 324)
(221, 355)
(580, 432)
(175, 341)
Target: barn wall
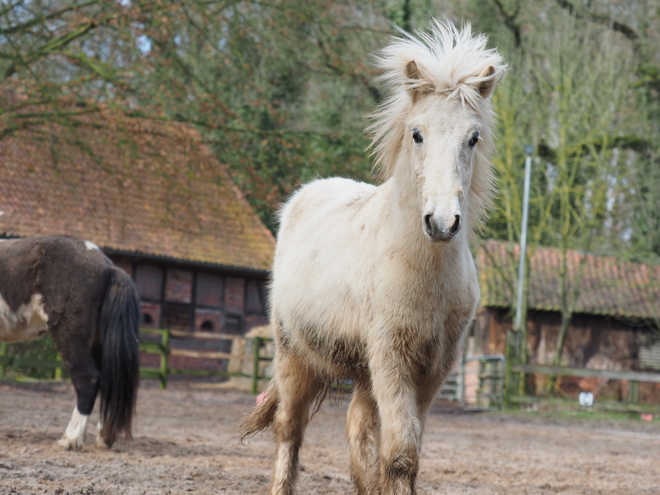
(182, 298)
(592, 341)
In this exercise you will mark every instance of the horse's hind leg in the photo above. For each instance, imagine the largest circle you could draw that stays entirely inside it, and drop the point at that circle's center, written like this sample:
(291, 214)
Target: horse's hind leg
(85, 378)
(362, 431)
(297, 388)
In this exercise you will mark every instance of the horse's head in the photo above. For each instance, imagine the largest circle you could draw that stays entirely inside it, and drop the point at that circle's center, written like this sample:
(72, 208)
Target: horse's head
(442, 139)
(435, 128)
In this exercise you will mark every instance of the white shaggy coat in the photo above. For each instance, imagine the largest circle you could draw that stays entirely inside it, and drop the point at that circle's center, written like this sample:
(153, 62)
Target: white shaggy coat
(377, 284)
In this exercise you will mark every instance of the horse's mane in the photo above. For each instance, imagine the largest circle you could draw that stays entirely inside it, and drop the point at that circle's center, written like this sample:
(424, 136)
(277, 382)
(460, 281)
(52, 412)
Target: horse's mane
(450, 63)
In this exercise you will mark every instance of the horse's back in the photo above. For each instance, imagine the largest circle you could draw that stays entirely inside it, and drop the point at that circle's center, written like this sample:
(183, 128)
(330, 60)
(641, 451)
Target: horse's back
(323, 217)
(40, 277)
(322, 201)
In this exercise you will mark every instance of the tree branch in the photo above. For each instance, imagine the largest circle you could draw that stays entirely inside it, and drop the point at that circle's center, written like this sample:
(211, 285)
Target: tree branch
(510, 21)
(624, 29)
(338, 70)
(51, 46)
(39, 19)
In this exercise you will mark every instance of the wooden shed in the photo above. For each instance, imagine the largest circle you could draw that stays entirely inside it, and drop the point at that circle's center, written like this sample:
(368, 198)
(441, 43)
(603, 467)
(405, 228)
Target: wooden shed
(615, 325)
(156, 200)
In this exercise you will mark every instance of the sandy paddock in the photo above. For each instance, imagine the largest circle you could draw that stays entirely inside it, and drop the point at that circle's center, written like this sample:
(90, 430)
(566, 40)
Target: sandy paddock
(184, 442)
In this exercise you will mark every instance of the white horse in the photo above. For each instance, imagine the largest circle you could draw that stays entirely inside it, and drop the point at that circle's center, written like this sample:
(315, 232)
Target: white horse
(377, 284)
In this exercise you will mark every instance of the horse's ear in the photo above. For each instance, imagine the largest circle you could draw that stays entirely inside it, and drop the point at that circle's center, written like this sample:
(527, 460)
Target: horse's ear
(488, 81)
(415, 81)
(412, 71)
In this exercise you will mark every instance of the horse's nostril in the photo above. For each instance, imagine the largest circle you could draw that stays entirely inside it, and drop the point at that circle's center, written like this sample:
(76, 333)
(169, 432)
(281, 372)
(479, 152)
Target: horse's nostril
(457, 225)
(427, 223)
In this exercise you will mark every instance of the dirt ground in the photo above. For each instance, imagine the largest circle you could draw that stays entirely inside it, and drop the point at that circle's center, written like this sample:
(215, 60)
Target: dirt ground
(184, 442)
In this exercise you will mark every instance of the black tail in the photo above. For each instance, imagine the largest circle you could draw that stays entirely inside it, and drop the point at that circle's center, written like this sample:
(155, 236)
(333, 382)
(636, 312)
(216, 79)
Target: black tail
(120, 371)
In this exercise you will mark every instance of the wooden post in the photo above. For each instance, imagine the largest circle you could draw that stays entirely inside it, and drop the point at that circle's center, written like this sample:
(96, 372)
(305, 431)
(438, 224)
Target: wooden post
(256, 343)
(633, 393)
(164, 359)
(3, 354)
(58, 370)
(236, 362)
(461, 374)
(512, 357)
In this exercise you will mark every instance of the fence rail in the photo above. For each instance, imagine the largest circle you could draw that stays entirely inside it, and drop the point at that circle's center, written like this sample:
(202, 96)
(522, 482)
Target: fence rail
(631, 404)
(159, 341)
(235, 358)
(635, 376)
(478, 376)
(19, 362)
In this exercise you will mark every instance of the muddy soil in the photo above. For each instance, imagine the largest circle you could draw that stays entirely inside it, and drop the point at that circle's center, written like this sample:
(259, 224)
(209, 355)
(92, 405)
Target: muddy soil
(185, 442)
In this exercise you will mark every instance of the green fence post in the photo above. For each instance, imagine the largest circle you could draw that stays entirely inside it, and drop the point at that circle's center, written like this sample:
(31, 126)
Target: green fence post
(164, 359)
(58, 370)
(255, 364)
(3, 354)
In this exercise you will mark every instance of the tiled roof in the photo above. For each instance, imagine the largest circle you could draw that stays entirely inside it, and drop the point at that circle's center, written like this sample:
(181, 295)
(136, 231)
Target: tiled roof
(129, 185)
(608, 286)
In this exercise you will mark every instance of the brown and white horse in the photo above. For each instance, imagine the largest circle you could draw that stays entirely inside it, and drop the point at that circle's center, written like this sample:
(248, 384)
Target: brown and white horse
(377, 284)
(90, 308)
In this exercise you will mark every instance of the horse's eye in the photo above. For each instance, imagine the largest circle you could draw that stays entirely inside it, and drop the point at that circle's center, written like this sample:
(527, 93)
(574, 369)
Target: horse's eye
(473, 140)
(417, 137)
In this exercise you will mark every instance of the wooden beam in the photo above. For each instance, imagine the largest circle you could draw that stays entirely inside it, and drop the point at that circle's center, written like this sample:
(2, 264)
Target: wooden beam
(634, 376)
(205, 335)
(605, 405)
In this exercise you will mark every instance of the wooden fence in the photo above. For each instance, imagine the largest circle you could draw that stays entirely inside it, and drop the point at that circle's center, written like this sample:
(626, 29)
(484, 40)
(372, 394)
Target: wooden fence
(237, 358)
(18, 362)
(250, 364)
(631, 404)
(159, 342)
(476, 383)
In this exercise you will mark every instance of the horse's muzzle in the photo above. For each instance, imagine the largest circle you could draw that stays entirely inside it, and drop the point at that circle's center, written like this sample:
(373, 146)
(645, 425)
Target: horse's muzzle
(437, 231)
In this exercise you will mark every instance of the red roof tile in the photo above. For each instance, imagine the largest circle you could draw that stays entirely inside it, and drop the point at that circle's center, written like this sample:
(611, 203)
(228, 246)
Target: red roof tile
(608, 285)
(129, 185)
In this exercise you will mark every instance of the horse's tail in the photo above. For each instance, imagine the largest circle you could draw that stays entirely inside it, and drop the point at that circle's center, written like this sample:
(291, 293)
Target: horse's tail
(120, 372)
(263, 414)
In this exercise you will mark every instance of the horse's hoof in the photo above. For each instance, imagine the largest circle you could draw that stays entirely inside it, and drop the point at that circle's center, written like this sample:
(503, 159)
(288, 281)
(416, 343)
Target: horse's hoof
(69, 444)
(101, 444)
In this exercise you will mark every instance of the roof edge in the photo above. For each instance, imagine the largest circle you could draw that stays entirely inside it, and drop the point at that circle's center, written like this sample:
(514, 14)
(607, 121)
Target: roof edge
(236, 270)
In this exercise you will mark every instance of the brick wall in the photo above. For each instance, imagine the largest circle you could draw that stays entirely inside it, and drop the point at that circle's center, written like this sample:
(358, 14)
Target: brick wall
(153, 312)
(178, 287)
(226, 303)
(149, 281)
(208, 316)
(126, 266)
(235, 294)
(253, 303)
(209, 290)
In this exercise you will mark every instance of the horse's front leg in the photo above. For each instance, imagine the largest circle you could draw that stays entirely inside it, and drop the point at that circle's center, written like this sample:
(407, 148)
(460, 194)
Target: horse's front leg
(400, 425)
